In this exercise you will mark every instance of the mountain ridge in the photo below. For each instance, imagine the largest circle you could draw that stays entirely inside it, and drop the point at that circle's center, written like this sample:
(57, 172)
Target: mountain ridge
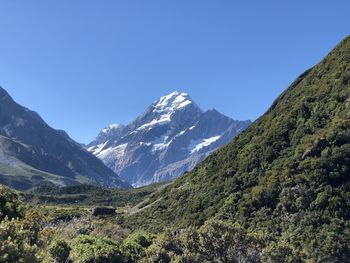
(169, 138)
(32, 152)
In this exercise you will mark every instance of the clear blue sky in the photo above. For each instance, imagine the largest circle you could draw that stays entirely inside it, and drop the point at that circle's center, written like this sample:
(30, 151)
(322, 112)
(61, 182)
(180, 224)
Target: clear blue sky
(83, 64)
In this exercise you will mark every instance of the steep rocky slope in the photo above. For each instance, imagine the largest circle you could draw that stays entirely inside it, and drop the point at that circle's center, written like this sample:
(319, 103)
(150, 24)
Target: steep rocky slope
(31, 152)
(171, 137)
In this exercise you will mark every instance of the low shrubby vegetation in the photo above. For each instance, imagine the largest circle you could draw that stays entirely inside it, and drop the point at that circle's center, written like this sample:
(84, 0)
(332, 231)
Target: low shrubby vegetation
(28, 234)
(87, 195)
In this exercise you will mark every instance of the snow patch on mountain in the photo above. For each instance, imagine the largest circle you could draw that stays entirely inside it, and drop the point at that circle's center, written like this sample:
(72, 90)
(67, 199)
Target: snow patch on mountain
(163, 119)
(98, 148)
(197, 145)
(113, 152)
(161, 143)
(181, 133)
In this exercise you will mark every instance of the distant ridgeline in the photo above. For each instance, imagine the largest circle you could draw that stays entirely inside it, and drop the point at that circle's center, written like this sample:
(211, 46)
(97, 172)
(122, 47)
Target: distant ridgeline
(33, 153)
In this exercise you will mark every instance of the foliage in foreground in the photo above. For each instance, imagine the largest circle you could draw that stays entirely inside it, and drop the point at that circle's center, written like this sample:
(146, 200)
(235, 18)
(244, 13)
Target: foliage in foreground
(30, 237)
(19, 231)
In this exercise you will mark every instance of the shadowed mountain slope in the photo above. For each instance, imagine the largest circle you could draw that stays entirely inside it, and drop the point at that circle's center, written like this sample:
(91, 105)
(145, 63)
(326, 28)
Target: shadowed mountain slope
(31, 152)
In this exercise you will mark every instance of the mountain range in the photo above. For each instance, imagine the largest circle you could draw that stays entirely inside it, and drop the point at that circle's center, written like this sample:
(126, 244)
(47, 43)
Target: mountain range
(33, 153)
(170, 138)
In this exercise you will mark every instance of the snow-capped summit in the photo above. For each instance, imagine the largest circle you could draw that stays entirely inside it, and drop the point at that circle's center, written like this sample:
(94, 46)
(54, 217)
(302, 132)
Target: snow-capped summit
(172, 102)
(166, 110)
(169, 138)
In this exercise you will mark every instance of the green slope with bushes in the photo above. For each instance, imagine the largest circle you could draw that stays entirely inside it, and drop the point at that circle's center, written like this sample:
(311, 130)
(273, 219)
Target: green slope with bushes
(90, 195)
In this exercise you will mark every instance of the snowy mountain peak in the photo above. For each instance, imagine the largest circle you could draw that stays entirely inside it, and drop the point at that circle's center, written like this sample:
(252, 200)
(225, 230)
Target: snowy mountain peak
(173, 108)
(169, 138)
(172, 102)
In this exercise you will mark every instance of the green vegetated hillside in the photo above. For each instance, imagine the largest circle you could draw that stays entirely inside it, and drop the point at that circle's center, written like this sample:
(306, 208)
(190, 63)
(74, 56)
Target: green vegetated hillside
(90, 195)
(286, 177)
(70, 224)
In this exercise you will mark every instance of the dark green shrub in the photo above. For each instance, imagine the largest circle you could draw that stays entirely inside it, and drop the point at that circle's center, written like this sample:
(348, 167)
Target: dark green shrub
(59, 251)
(88, 249)
(134, 246)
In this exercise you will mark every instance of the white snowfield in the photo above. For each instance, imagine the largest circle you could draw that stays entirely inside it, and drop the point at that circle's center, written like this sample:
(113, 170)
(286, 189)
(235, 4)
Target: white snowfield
(197, 145)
